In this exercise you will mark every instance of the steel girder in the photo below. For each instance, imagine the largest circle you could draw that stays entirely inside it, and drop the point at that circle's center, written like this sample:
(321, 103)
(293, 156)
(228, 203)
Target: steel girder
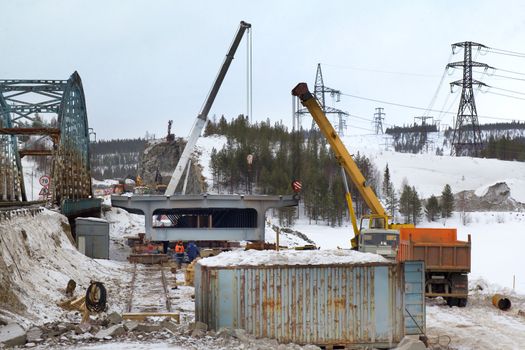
(25, 102)
(11, 179)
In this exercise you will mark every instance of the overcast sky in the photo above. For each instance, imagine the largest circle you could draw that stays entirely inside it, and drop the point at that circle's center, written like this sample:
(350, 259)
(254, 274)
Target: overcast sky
(145, 62)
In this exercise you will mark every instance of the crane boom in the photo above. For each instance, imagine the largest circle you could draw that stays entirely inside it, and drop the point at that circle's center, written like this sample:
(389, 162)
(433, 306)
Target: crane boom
(341, 153)
(202, 117)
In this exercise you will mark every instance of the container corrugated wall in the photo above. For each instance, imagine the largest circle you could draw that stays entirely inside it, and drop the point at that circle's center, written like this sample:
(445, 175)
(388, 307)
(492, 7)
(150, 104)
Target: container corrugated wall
(313, 304)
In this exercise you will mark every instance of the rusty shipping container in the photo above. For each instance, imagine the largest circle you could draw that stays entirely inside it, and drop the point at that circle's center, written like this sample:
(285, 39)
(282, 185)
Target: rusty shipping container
(338, 304)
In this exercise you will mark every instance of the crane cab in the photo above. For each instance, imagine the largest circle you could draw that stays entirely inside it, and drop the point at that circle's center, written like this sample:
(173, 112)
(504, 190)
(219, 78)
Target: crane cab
(380, 241)
(377, 236)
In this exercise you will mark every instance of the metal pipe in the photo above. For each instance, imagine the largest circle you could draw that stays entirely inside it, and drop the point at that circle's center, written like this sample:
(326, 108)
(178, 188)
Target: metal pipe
(501, 302)
(277, 233)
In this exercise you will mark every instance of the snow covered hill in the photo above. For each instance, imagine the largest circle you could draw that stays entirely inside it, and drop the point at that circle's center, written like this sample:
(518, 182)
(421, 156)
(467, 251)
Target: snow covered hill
(427, 172)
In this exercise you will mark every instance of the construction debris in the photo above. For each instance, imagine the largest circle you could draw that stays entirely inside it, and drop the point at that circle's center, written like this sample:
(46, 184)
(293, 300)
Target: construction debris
(12, 335)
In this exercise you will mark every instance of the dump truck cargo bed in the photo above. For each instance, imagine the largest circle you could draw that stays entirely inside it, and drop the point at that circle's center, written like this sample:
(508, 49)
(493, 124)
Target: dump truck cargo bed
(438, 248)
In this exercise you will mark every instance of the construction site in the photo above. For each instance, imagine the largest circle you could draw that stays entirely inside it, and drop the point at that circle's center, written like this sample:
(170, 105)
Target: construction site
(331, 230)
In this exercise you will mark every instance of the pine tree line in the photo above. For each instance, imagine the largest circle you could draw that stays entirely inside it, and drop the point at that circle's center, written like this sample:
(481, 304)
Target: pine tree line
(279, 157)
(113, 159)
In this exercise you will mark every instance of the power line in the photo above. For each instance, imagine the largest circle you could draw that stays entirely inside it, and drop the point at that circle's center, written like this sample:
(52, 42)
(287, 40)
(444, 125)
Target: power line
(507, 90)
(367, 119)
(499, 75)
(421, 108)
(507, 54)
(510, 71)
(514, 52)
(380, 71)
(433, 100)
(504, 95)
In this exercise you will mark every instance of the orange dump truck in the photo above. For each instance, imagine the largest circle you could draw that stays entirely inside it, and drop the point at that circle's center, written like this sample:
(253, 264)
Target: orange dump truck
(447, 261)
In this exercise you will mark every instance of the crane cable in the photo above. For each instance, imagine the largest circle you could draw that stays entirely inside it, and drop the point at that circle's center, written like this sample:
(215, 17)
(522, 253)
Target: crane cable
(249, 75)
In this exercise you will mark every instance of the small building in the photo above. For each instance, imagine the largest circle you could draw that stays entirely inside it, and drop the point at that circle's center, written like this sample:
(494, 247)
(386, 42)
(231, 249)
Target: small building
(92, 236)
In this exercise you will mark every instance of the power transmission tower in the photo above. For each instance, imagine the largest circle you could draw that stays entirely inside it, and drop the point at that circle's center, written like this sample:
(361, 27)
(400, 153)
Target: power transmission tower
(378, 120)
(320, 91)
(467, 135)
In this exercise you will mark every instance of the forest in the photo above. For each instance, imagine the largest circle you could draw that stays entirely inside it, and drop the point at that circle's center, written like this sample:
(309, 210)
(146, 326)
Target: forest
(114, 159)
(279, 157)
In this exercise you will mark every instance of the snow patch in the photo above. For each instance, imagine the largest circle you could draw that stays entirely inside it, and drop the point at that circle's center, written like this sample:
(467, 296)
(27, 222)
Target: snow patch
(204, 147)
(291, 257)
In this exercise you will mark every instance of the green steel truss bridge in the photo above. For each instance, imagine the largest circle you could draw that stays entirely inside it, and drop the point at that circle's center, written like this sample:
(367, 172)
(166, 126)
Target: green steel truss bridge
(54, 113)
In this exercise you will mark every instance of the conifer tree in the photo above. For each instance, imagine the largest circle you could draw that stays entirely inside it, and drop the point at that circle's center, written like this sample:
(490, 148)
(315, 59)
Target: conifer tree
(447, 202)
(404, 203)
(432, 208)
(389, 193)
(410, 204)
(415, 206)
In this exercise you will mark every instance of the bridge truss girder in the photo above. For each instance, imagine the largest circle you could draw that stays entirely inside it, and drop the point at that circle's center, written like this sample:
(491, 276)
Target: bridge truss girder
(23, 104)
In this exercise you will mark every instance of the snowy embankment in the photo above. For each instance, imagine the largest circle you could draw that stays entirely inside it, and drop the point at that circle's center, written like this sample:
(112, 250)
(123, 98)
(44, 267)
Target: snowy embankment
(37, 259)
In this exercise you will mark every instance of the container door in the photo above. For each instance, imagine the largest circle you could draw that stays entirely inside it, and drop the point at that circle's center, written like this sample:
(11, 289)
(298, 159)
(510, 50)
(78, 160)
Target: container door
(81, 243)
(415, 316)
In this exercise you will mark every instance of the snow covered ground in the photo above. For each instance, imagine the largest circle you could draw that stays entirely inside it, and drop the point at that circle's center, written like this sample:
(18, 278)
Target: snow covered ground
(479, 325)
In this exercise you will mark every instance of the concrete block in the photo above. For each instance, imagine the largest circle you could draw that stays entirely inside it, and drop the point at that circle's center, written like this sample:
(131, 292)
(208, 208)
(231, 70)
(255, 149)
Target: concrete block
(410, 344)
(147, 328)
(130, 325)
(170, 326)
(114, 318)
(112, 331)
(199, 325)
(33, 335)
(12, 335)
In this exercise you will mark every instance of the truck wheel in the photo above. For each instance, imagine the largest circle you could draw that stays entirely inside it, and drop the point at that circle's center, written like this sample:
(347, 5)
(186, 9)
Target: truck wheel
(462, 302)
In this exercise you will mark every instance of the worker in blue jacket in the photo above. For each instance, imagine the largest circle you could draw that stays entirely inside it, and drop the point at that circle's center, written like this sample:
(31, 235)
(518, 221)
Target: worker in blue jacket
(192, 251)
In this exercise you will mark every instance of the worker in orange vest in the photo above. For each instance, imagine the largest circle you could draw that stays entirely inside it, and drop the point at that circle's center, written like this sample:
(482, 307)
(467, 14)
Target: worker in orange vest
(179, 253)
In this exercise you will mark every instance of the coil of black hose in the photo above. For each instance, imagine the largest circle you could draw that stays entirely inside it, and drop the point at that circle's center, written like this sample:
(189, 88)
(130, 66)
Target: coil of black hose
(96, 297)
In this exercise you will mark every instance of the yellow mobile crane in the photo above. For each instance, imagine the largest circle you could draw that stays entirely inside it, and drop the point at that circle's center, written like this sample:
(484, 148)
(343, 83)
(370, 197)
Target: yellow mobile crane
(380, 236)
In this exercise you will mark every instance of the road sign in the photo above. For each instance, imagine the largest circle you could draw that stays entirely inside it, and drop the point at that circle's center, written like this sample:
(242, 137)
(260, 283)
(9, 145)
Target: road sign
(297, 186)
(44, 180)
(44, 192)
